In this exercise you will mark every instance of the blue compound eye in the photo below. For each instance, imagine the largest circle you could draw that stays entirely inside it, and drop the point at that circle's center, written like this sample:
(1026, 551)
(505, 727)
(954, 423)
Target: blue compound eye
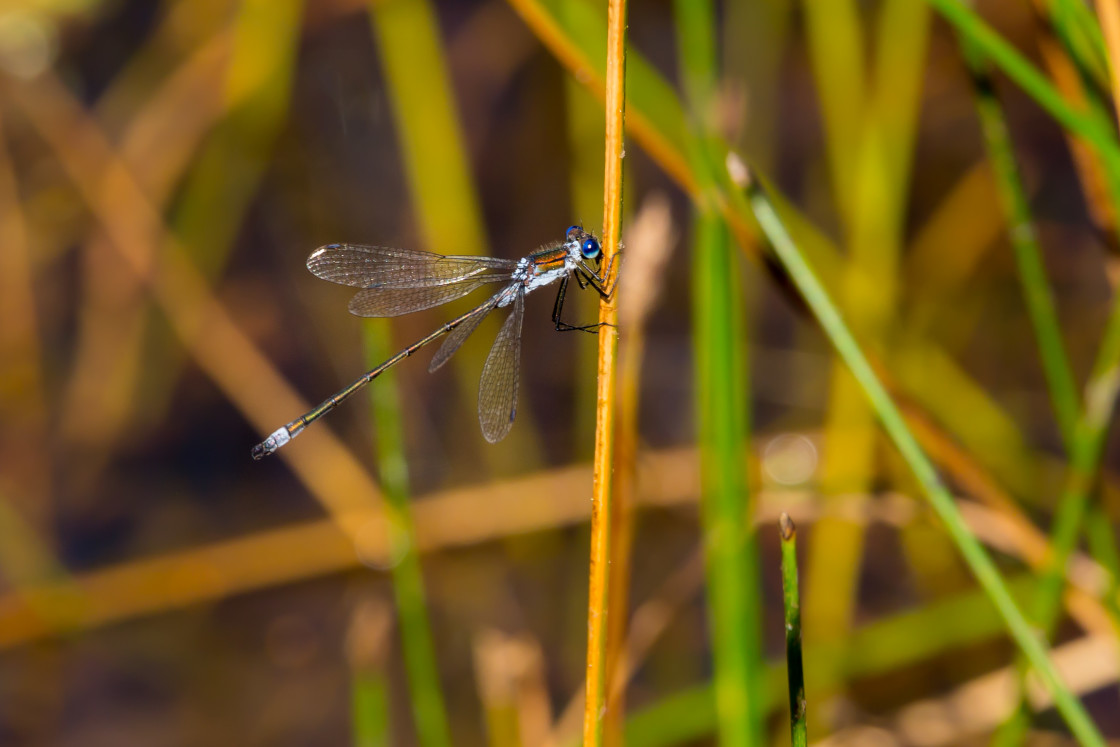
(572, 228)
(590, 247)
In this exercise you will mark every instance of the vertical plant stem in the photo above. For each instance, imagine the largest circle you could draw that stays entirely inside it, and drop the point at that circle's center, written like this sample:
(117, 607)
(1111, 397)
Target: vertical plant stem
(791, 604)
(368, 645)
(370, 708)
(939, 497)
(603, 481)
(722, 395)
(1024, 241)
(408, 583)
(729, 548)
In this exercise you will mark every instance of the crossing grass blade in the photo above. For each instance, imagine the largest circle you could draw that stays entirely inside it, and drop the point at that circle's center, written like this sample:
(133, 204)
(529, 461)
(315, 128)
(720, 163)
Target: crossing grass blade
(923, 470)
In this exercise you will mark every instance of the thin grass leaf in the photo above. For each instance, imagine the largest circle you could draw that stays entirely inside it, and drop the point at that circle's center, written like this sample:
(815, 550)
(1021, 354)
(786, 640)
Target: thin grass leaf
(368, 644)
(418, 648)
(1024, 241)
(835, 39)
(722, 406)
(369, 704)
(791, 605)
(1081, 36)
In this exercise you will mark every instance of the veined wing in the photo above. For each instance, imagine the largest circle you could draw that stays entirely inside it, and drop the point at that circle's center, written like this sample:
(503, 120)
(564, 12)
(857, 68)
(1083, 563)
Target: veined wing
(393, 301)
(379, 266)
(497, 391)
(459, 335)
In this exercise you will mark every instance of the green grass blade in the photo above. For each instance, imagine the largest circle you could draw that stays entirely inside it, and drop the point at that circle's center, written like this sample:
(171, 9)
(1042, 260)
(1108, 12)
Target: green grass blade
(435, 158)
(791, 604)
(836, 51)
(732, 566)
(408, 582)
(368, 644)
(722, 413)
(1034, 83)
(939, 497)
(370, 708)
(1081, 36)
(1086, 449)
(1024, 241)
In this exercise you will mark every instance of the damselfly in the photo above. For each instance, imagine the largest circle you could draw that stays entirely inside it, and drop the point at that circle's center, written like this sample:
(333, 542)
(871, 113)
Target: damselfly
(401, 281)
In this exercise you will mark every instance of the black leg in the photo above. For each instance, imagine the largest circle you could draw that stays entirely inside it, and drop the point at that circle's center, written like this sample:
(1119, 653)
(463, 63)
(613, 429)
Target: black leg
(558, 307)
(597, 279)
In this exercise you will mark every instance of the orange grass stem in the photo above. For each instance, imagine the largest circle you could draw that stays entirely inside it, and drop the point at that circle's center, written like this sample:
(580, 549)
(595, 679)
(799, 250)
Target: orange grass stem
(603, 481)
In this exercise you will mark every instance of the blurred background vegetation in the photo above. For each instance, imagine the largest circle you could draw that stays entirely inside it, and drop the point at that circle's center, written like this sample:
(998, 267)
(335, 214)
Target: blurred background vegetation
(391, 578)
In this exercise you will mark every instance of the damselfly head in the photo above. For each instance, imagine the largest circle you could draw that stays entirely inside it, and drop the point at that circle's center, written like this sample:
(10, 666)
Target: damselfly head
(587, 244)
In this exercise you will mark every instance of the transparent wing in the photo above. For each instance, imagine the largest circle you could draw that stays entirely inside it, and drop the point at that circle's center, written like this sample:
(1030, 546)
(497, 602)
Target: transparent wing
(456, 337)
(391, 301)
(497, 391)
(378, 266)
